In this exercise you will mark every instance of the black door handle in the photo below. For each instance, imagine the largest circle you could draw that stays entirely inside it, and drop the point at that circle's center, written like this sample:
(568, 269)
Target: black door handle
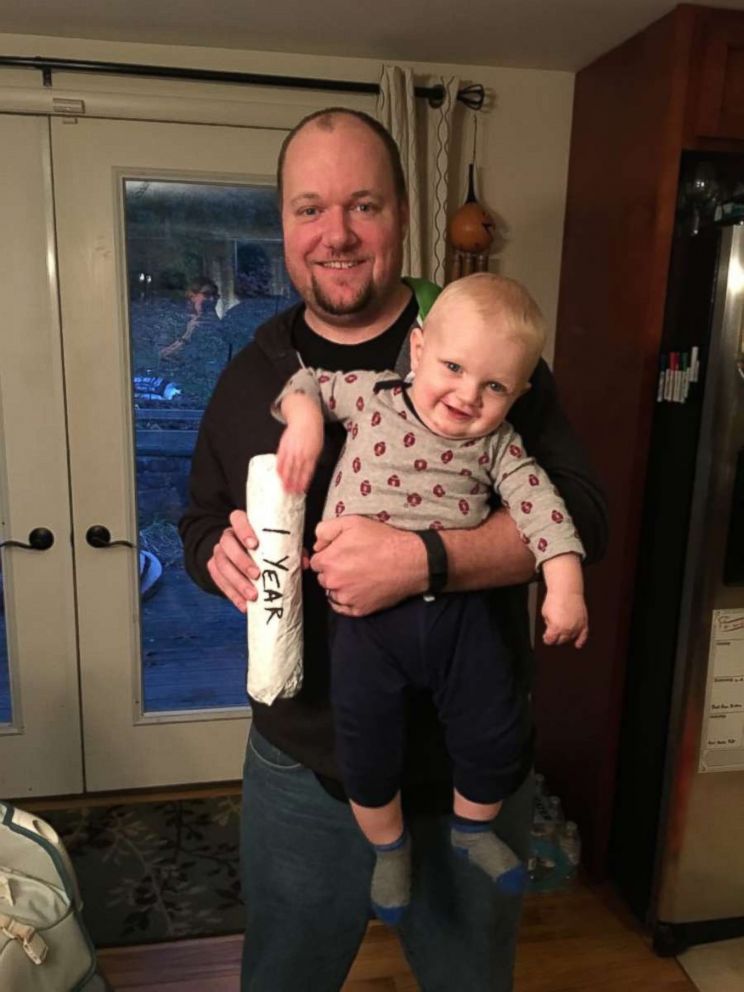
(40, 539)
(99, 536)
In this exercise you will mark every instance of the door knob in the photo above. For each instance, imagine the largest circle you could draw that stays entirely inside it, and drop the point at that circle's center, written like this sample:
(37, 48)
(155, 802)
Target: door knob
(99, 536)
(40, 539)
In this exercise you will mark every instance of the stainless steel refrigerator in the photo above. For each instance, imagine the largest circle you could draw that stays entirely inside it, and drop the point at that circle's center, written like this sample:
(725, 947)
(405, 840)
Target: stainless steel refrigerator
(677, 850)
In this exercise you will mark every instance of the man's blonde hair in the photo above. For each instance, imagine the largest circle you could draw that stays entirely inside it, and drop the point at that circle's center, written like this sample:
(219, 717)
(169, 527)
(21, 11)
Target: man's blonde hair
(500, 301)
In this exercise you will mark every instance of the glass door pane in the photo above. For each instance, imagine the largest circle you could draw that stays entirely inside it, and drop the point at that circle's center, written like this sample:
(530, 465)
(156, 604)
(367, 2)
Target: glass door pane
(204, 269)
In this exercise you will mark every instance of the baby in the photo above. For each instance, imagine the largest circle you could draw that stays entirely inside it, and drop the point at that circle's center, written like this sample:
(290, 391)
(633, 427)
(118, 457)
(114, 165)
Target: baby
(424, 455)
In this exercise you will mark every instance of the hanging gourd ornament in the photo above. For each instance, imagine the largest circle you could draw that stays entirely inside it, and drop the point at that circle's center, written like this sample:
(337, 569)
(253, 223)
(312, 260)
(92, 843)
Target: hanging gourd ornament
(471, 231)
(471, 227)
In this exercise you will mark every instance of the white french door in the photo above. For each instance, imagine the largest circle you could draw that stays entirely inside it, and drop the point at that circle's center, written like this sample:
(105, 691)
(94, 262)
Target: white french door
(143, 212)
(40, 746)
(119, 673)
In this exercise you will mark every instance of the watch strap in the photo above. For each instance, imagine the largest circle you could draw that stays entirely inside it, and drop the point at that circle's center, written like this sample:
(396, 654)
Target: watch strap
(436, 556)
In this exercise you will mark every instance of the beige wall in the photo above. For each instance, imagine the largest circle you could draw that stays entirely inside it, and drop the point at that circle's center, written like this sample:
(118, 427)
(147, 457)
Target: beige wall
(523, 137)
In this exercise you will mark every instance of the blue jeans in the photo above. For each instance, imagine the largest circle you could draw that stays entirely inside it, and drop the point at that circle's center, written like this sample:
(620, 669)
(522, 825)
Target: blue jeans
(306, 876)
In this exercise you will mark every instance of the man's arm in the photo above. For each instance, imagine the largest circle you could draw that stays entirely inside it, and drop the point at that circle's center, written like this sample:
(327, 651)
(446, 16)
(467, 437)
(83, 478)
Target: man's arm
(217, 538)
(491, 555)
(551, 441)
(208, 510)
(367, 566)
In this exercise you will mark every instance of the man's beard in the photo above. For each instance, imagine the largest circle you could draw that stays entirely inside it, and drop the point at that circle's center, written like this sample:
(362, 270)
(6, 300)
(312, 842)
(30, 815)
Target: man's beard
(349, 307)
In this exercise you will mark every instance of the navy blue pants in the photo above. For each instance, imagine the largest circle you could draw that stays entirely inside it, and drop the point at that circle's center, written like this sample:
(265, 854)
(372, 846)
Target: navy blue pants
(451, 646)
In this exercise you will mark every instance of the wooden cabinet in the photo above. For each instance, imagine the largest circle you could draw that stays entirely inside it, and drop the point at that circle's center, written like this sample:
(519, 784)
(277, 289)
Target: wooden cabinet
(719, 96)
(677, 85)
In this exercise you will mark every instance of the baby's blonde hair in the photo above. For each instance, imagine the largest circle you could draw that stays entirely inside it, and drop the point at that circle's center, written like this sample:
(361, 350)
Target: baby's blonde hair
(502, 302)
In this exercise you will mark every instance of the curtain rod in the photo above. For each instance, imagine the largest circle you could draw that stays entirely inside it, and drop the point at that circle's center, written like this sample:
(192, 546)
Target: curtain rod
(472, 96)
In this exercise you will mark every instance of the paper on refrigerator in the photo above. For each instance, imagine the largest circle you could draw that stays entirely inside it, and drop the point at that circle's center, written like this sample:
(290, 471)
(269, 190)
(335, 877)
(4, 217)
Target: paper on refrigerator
(275, 641)
(722, 745)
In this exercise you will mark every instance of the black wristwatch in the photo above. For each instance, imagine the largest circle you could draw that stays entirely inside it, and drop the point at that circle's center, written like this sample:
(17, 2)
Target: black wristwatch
(436, 556)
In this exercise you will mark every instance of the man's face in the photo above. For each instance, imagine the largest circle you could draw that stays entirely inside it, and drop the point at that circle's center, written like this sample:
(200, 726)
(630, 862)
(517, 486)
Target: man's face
(203, 301)
(343, 223)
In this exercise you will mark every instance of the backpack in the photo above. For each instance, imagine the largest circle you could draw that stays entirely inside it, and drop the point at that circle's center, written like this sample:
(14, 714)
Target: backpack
(44, 946)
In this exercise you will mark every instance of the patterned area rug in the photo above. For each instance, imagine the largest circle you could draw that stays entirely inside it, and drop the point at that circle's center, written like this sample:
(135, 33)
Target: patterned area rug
(155, 871)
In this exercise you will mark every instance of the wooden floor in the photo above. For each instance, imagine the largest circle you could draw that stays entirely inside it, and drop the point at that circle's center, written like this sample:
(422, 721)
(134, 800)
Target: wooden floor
(577, 941)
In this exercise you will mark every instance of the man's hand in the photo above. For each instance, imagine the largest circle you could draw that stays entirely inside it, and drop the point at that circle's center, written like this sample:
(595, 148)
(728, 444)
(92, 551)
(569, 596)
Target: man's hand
(177, 345)
(171, 349)
(366, 566)
(231, 567)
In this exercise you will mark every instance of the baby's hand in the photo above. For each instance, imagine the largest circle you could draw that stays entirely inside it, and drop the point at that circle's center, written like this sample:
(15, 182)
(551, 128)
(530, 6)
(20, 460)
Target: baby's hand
(297, 455)
(565, 618)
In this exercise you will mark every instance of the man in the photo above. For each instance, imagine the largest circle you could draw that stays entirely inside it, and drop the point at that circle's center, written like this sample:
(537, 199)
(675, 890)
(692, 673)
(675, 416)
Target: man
(306, 867)
(201, 300)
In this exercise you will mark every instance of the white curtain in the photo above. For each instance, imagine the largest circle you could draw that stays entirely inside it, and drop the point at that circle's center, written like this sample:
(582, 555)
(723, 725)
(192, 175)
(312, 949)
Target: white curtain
(440, 172)
(396, 109)
(424, 148)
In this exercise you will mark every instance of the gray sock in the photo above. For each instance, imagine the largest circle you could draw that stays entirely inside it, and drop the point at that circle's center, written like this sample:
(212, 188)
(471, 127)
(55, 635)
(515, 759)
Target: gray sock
(479, 844)
(391, 879)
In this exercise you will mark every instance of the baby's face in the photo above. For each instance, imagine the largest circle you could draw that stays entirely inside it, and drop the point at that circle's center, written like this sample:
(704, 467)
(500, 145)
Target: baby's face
(467, 374)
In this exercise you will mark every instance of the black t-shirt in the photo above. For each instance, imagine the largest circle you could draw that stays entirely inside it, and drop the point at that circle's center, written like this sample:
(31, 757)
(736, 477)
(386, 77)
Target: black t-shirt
(376, 355)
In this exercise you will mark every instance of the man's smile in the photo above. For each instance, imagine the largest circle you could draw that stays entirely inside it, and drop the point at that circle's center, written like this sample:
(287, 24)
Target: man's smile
(339, 265)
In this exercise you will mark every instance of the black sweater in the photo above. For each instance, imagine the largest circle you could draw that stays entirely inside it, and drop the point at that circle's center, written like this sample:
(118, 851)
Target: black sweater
(237, 425)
